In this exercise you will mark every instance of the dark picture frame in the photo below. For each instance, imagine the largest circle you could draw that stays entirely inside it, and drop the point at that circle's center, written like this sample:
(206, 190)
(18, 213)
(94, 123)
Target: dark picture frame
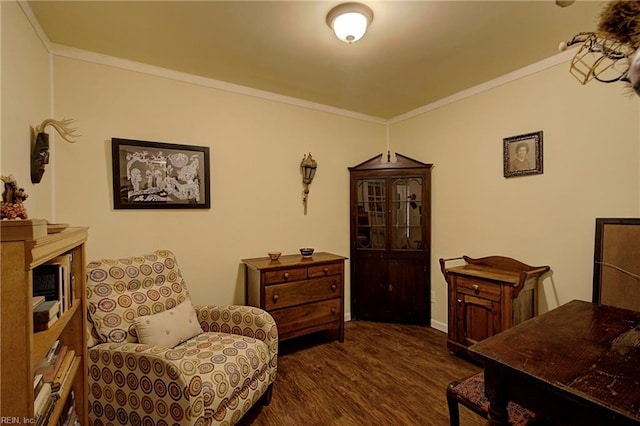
(158, 175)
(522, 154)
(616, 262)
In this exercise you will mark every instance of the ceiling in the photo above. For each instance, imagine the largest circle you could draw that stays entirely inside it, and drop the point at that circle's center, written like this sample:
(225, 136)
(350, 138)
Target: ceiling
(414, 53)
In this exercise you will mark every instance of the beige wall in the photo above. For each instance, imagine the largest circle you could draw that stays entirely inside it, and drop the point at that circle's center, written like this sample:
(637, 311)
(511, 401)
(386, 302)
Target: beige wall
(591, 169)
(26, 101)
(256, 147)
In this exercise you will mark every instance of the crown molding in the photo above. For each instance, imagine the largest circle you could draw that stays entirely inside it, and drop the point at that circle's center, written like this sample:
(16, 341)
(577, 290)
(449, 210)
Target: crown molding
(534, 68)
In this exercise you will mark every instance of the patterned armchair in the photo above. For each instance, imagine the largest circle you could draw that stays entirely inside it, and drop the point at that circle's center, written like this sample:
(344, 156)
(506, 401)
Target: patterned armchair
(155, 359)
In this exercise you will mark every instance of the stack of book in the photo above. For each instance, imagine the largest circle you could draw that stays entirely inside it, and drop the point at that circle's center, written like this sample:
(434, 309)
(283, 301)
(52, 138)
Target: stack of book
(50, 376)
(45, 313)
(45, 400)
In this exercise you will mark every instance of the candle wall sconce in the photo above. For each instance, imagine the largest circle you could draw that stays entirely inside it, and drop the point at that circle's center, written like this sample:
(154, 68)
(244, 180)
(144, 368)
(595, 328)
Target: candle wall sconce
(40, 144)
(308, 168)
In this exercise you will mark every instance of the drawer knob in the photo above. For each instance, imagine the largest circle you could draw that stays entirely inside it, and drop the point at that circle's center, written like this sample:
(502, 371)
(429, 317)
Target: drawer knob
(333, 287)
(326, 271)
(476, 288)
(275, 297)
(333, 310)
(286, 275)
(459, 301)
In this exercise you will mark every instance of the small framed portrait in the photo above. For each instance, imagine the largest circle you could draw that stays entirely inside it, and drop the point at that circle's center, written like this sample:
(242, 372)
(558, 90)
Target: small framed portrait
(156, 175)
(523, 155)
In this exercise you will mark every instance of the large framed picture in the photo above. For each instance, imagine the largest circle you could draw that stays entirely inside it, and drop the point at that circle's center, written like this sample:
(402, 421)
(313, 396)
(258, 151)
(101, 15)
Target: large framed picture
(156, 175)
(523, 154)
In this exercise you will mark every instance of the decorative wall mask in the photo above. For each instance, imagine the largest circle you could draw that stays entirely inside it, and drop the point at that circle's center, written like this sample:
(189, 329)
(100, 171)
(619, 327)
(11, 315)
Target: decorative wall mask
(40, 144)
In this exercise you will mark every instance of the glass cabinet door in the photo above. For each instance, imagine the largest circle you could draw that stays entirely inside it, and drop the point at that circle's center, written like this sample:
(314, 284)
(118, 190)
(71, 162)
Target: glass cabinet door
(406, 213)
(371, 214)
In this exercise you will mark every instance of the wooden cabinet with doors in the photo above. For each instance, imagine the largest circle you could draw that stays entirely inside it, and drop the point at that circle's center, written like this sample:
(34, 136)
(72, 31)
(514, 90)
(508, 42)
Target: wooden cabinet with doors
(486, 296)
(390, 240)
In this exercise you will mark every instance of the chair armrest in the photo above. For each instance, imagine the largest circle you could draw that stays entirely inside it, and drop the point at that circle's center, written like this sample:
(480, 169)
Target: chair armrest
(121, 364)
(242, 320)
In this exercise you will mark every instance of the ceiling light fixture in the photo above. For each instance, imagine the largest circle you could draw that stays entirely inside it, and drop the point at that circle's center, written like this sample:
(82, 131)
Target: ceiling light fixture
(349, 21)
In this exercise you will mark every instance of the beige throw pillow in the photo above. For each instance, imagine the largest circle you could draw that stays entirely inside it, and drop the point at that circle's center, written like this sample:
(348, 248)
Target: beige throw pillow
(168, 328)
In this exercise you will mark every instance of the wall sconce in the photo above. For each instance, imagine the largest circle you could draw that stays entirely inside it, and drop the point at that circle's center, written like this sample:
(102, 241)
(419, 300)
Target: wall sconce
(40, 144)
(308, 168)
(349, 21)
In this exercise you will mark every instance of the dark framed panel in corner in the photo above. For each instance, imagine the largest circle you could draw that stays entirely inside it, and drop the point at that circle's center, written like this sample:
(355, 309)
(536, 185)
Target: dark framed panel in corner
(616, 264)
(157, 175)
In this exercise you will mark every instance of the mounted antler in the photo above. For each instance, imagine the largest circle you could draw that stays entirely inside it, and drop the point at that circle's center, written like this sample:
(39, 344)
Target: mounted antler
(61, 126)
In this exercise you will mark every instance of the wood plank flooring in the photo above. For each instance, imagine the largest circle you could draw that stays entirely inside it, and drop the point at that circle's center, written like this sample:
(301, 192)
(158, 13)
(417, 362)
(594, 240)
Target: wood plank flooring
(383, 374)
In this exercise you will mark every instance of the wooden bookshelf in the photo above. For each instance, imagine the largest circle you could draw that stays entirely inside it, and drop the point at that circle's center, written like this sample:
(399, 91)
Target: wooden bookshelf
(21, 349)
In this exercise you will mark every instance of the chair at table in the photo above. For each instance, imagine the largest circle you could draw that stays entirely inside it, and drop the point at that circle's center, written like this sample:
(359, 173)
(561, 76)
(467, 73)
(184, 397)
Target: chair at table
(470, 393)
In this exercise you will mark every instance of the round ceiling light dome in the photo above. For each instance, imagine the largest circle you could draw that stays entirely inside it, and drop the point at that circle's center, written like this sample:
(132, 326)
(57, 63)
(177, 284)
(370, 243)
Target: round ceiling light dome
(349, 21)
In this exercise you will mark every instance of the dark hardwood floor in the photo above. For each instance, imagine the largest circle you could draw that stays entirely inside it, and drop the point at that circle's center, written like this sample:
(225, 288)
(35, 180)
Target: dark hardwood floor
(383, 374)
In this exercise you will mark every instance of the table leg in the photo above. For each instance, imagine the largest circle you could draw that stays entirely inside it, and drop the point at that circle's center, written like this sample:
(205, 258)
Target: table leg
(495, 392)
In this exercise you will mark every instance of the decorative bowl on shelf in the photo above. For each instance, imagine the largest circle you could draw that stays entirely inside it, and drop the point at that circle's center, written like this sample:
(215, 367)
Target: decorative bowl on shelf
(274, 255)
(306, 251)
(54, 228)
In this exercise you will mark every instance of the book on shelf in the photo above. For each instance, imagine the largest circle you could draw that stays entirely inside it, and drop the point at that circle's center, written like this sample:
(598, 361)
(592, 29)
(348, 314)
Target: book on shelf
(69, 415)
(50, 405)
(50, 374)
(64, 261)
(41, 399)
(46, 363)
(72, 419)
(42, 326)
(47, 280)
(38, 382)
(54, 349)
(63, 371)
(36, 300)
(45, 311)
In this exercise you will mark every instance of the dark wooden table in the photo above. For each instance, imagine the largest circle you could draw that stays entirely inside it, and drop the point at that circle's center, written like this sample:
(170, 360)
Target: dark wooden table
(578, 364)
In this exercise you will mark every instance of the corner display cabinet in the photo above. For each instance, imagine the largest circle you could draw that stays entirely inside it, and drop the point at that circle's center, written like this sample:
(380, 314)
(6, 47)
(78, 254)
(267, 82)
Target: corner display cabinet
(390, 240)
(488, 295)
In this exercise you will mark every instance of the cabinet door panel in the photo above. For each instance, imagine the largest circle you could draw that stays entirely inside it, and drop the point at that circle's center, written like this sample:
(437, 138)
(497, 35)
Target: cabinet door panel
(408, 291)
(370, 298)
(371, 210)
(477, 318)
(406, 213)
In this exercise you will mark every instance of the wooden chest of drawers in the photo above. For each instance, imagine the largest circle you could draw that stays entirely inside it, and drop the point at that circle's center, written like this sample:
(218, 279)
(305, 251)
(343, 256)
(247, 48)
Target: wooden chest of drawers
(303, 295)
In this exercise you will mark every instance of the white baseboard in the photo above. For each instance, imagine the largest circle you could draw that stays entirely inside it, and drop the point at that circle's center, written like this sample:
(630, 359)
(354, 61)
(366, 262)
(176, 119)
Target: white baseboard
(440, 326)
